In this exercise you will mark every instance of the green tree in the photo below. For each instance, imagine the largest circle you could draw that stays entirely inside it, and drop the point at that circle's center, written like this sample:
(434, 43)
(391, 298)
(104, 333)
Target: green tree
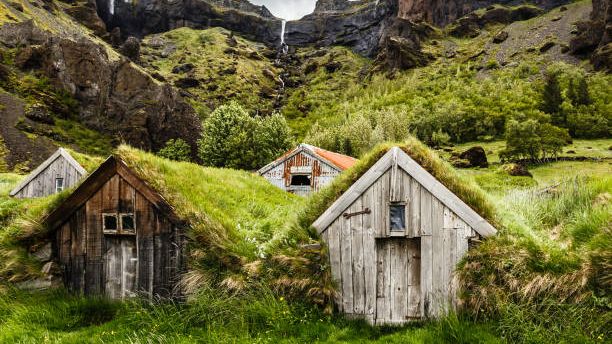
(232, 138)
(176, 149)
(531, 139)
(552, 98)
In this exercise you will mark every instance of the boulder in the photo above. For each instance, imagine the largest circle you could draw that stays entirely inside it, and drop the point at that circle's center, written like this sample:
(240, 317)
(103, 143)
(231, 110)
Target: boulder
(86, 13)
(516, 170)
(43, 253)
(187, 82)
(183, 68)
(476, 156)
(500, 37)
(131, 48)
(333, 66)
(39, 113)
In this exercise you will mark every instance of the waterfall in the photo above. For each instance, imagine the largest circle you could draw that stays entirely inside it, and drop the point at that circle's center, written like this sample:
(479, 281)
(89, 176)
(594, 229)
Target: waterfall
(111, 7)
(284, 47)
(283, 26)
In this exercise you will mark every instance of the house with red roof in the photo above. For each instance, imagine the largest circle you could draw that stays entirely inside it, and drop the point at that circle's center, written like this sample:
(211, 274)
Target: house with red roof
(306, 169)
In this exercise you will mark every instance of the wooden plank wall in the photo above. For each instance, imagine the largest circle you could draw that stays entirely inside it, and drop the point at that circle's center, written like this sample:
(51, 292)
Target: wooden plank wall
(44, 183)
(87, 255)
(355, 258)
(322, 173)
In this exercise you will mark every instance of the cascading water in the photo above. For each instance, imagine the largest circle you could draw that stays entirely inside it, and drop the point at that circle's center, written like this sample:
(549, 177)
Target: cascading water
(284, 47)
(111, 7)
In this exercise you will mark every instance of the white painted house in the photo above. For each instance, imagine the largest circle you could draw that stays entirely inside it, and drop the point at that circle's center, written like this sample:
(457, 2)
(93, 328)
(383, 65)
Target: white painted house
(306, 169)
(57, 173)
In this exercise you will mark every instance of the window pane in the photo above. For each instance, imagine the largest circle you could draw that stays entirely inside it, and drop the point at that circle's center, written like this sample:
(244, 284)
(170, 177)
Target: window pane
(110, 222)
(397, 216)
(59, 184)
(127, 222)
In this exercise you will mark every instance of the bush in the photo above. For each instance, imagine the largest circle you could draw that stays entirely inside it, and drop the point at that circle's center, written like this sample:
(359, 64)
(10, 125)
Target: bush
(531, 139)
(176, 149)
(232, 138)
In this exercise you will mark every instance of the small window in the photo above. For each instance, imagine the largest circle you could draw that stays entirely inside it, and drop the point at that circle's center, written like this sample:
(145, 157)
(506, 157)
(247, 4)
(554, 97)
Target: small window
(397, 217)
(59, 184)
(110, 223)
(127, 223)
(300, 180)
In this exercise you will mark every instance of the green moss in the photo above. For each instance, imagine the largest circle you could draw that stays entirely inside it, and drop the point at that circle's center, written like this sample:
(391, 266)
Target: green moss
(87, 140)
(3, 156)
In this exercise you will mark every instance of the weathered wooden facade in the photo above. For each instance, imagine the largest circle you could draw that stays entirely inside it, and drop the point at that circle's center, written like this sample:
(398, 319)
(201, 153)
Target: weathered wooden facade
(116, 236)
(305, 169)
(395, 238)
(57, 173)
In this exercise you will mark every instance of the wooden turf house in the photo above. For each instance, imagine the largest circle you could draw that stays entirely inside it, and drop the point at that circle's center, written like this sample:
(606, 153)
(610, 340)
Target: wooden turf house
(118, 237)
(394, 238)
(60, 171)
(305, 169)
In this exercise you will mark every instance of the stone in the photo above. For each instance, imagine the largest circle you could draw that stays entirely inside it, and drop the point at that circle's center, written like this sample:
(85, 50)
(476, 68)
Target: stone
(311, 67)
(269, 74)
(131, 48)
(476, 156)
(460, 163)
(43, 253)
(333, 66)
(86, 13)
(187, 82)
(516, 170)
(39, 113)
(183, 68)
(547, 46)
(500, 37)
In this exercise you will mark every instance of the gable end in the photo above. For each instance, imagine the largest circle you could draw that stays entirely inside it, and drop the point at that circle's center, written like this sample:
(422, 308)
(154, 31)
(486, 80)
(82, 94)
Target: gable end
(394, 158)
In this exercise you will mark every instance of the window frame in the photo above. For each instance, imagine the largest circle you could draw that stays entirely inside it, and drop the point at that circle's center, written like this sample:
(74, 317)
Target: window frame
(110, 231)
(398, 231)
(119, 222)
(59, 188)
(131, 230)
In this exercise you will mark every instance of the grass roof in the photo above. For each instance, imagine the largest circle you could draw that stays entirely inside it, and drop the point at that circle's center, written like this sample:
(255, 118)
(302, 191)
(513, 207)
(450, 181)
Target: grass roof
(232, 213)
(464, 188)
(219, 204)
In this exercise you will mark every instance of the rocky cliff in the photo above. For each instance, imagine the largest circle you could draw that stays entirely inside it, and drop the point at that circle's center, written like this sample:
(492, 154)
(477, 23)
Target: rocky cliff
(144, 17)
(594, 37)
(443, 12)
(110, 94)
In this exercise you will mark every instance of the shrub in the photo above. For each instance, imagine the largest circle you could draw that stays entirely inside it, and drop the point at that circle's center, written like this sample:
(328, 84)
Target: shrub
(176, 149)
(231, 138)
(531, 139)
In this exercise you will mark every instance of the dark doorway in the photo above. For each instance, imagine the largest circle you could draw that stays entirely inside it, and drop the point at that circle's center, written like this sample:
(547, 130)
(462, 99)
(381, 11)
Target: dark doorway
(300, 180)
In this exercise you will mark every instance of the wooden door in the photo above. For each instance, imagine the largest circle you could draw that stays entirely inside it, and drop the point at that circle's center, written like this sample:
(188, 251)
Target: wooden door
(121, 264)
(398, 279)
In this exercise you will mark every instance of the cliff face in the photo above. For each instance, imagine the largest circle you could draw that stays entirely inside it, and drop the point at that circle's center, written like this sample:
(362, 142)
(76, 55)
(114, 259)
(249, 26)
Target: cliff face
(595, 36)
(359, 25)
(113, 96)
(144, 17)
(443, 12)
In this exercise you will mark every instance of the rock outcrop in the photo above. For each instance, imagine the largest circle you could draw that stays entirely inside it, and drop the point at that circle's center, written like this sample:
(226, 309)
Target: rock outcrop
(114, 96)
(444, 12)
(360, 25)
(594, 37)
(144, 17)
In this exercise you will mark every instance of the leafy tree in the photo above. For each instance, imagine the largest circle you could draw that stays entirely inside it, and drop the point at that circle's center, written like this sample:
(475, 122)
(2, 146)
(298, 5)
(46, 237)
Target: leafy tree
(232, 138)
(552, 98)
(176, 149)
(579, 94)
(531, 139)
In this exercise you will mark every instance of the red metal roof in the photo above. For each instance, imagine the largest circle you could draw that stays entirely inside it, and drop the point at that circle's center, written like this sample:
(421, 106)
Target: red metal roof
(340, 160)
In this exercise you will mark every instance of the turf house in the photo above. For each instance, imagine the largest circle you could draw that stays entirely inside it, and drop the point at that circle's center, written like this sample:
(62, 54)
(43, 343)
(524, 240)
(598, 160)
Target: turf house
(116, 236)
(395, 237)
(60, 171)
(305, 169)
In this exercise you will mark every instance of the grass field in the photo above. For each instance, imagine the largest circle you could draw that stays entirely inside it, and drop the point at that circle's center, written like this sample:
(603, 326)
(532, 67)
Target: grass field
(551, 238)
